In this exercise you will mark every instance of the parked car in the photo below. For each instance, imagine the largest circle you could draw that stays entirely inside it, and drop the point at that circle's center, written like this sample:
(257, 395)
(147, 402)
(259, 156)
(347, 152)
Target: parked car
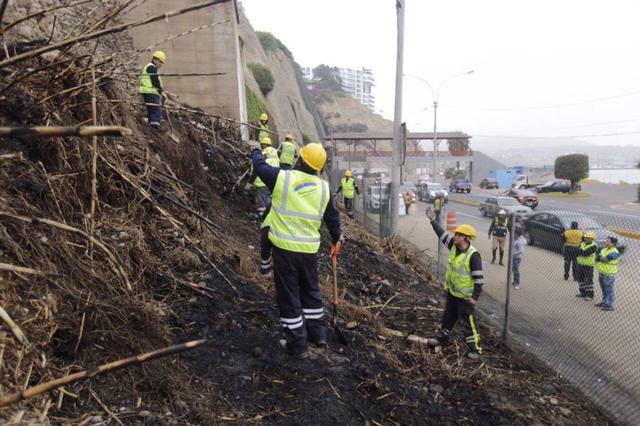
(460, 185)
(547, 229)
(429, 191)
(489, 183)
(524, 197)
(556, 186)
(492, 205)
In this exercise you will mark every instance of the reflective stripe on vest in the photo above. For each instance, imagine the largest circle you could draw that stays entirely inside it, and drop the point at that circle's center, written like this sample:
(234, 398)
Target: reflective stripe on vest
(611, 267)
(587, 260)
(458, 279)
(288, 154)
(298, 203)
(271, 157)
(146, 86)
(348, 187)
(264, 132)
(500, 228)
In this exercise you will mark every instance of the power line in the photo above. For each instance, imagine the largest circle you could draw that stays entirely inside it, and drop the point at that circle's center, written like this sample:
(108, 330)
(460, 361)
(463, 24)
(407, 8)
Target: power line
(589, 101)
(540, 129)
(560, 137)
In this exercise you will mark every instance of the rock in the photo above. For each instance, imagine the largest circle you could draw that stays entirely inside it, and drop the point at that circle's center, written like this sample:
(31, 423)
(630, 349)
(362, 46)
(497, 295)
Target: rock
(251, 247)
(351, 325)
(193, 300)
(436, 388)
(24, 3)
(339, 359)
(565, 411)
(44, 239)
(257, 352)
(95, 420)
(553, 401)
(144, 413)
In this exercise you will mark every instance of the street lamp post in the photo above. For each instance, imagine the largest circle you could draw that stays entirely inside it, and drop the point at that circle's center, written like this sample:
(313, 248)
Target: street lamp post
(435, 96)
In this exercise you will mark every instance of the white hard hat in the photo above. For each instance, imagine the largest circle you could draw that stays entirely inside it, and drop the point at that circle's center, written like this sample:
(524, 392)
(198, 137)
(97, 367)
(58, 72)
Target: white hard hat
(502, 211)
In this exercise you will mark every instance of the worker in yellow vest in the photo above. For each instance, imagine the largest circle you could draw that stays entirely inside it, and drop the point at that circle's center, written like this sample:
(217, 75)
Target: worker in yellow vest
(151, 89)
(607, 263)
(349, 190)
(264, 127)
(586, 261)
(463, 284)
(263, 194)
(408, 200)
(301, 202)
(572, 240)
(287, 151)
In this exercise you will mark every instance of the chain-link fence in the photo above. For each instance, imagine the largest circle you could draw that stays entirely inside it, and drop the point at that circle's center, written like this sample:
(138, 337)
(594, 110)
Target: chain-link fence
(596, 348)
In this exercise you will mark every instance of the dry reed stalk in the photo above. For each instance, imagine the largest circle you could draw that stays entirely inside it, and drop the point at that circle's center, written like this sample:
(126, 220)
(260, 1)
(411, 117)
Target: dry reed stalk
(105, 368)
(13, 326)
(54, 131)
(94, 159)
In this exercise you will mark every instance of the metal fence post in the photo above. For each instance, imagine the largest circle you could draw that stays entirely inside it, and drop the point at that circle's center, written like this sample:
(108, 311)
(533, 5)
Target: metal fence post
(443, 213)
(507, 302)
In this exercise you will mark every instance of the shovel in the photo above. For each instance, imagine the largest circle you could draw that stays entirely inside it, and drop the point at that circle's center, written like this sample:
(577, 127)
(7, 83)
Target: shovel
(334, 321)
(172, 135)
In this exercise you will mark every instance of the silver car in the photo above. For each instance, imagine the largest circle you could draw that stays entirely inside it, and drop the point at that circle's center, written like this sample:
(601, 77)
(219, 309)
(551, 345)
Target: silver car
(492, 205)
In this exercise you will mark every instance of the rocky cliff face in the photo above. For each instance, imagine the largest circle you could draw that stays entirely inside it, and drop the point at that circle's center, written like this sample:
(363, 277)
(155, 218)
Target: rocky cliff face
(285, 102)
(346, 114)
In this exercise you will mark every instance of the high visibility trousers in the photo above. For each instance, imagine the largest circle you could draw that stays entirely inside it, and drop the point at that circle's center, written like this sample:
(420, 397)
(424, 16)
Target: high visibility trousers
(298, 298)
(154, 112)
(585, 280)
(459, 310)
(571, 258)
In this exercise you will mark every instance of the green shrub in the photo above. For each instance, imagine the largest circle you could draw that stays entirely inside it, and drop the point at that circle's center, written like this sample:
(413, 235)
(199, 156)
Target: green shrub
(271, 43)
(255, 106)
(263, 77)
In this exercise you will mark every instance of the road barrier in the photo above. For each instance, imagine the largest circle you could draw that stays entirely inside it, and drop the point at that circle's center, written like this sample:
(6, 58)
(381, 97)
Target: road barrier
(451, 221)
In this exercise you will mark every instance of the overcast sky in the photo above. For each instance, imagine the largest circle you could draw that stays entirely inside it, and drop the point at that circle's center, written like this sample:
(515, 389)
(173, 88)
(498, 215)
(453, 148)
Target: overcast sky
(528, 57)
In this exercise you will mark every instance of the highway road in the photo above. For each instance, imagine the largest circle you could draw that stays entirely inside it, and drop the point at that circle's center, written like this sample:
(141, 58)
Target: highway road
(600, 351)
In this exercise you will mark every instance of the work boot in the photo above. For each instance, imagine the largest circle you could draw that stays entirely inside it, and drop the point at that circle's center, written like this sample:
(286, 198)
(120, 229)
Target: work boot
(607, 308)
(493, 258)
(322, 343)
(580, 295)
(266, 266)
(300, 355)
(501, 257)
(473, 355)
(441, 339)
(598, 305)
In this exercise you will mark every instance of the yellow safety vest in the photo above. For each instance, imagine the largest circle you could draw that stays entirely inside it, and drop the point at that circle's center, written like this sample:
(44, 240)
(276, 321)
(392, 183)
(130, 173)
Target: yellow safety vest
(348, 187)
(288, 154)
(298, 203)
(611, 267)
(458, 280)
(146, 87)
(271, 157)
(408, 199)
(573, 237)
(587, 260)
(264, 132)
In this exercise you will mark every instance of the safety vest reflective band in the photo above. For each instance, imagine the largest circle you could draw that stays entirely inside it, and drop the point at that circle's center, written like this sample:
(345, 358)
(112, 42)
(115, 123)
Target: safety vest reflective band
(271, 157)
(500, 227)
(348, 187)
(288, 154)
(298, 203)
(587, 260)
(611, 267)
(264, 132)
(458, 279)
(573, 237)
(146, 86)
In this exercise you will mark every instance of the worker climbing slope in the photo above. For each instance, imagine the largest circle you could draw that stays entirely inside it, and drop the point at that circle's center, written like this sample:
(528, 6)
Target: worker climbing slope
(263, 194)
(463, 284)
(264, 127)
(151, 89)
(349, 190)
(287, 151)
(301, 201)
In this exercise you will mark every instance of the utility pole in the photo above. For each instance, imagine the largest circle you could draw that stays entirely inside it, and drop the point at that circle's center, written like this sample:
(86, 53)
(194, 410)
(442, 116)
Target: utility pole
(396, 158)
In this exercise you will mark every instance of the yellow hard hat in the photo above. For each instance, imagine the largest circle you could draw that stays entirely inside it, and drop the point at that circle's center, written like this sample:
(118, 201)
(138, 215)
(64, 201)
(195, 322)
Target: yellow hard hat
(348, 173)
(314, 155)
(159, 55)
(466, 230)
(265, 141)
(590, 234)
(289, 137)
(264, 117)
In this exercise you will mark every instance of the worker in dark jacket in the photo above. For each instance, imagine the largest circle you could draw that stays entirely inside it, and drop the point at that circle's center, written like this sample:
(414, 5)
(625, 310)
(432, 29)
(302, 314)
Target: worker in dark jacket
(498, 235)
(586, 261)
(463, 284)
(572, 240)
(151, 88)
(301, 201)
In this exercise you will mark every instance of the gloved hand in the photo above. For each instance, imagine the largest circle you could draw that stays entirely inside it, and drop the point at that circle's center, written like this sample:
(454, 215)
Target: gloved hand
(431, 214)
(335, 249)
(253, 144)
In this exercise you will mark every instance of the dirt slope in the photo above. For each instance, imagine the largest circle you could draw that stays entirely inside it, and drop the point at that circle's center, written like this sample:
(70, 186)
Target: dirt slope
(180, 230)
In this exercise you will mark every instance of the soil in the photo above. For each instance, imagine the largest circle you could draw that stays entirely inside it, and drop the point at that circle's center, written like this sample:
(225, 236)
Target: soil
(183, 233)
